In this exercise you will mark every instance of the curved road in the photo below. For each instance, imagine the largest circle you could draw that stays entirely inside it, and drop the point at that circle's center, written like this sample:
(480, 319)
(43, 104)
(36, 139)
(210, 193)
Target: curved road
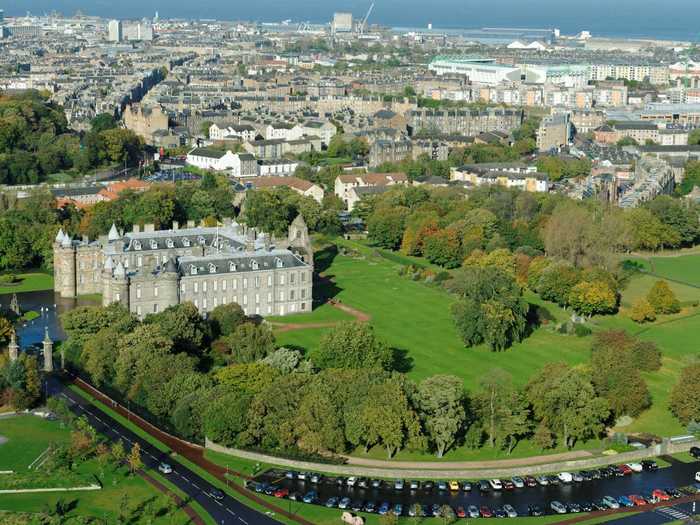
(226, 511)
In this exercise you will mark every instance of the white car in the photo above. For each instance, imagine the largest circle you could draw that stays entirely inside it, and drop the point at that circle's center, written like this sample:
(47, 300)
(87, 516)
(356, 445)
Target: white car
(496, 484)
(565, 477)
(510, 511)
(558, 507)
(635, 467)
(164, 468)
(351, 481)
(518, 482)
(697, 477)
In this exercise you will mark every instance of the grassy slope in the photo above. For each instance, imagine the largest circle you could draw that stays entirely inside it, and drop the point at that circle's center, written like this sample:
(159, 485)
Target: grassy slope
(30, 435)
(30, 282)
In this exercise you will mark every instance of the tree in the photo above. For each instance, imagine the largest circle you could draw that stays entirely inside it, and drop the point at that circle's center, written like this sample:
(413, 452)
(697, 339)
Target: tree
(385, 227)
(447, 515)
(118, 453)
(440, 403)
(226, 417)
(593, 297)
(443, 247)
(648, 232)
(284, 359)
(250, 342)
(685, 394)
(225, 318)
(557, 281)
(662, 299)
(642, 311)
(134, 458)
(352, 345)
(103, 122)
(249, 377)
(184, 326)
(491, 308)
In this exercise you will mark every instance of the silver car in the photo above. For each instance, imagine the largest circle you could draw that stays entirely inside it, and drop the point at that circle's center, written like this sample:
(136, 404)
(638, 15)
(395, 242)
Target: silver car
(558, 507)
(510, 511)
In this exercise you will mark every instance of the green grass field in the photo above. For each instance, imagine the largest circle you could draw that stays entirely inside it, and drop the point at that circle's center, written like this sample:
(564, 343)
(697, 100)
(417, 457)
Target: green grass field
(682, 268)
(28, 436)
(30, 282)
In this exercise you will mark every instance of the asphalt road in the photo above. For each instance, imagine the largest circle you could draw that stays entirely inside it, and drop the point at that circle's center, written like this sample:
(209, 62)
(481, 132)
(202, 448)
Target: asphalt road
(227, 511)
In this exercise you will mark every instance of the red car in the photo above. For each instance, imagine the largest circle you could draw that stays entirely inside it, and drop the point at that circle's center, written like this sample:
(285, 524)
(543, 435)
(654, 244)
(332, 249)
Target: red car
(507, 484)
(625, 470)
(660, 495)
(637, 500)
(485, 512)
(461, 513)
(530, 481)
(282, 493)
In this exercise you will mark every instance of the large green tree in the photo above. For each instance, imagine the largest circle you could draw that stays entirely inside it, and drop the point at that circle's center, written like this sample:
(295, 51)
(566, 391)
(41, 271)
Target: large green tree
(440, 401)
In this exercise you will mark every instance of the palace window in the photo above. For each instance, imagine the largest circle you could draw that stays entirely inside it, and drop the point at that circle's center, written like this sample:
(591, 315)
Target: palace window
(212, 268)
(155, 292)
(154, 244)
(137, 245)
(269, 280)
(254, 265)
(193, 270)
(232, 266)
(196, 287)
(257, 281)
(186, 242)
(279, 263)
(169, 243)
(138, 293)
(204, 287)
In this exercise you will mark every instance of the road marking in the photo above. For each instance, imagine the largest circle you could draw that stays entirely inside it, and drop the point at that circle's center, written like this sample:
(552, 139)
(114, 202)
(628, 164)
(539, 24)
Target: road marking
(230, 511)
(218, 503)
(244, 521)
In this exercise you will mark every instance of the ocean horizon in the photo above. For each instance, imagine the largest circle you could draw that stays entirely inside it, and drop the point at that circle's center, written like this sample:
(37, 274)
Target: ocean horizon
(670, 20)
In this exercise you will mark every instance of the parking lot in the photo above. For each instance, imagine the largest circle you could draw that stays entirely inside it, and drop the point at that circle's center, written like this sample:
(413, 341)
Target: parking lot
(575, 495)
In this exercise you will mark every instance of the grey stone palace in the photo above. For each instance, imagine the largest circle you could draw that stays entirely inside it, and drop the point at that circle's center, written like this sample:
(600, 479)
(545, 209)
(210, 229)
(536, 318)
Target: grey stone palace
(148, 271)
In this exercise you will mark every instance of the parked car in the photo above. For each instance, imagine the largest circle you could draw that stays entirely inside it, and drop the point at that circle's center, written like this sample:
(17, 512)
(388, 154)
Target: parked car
(460, 512)
(341, 481)
(484, 486)
(290, 474)
(435, 510)
(585, 475)
(310, 497)
(281, 492)
(442, 485)
(398, 484)
(558, 507)
(543, 480)
(301, 476)
(217, 494)
(357, 506)
(673, 492)
(595, 473)
(344, 503)
(260, 487)
(600, 505)
(637, 500)
(512, 513)
(697, 476)
(500, 513)
(428, 486)
(316, 478)
(473, 511)
(624, 501)
(626, 470)
(376, 483)
(507, 484)
(370, 506)
(695, 452)
(576, 477)
(565, 477)
(635, 467)
(454, 485)
(485, 512)
(650, 465)
(362, 483)
(271, 489)
(587, 506)
(294, 496)
(518, 482)
(414, 484)
(553, 480)
(351, 481)
(398, 509)
(332, 502)
(383, 508)
(496, 484)
(164, 468)
(534, 510)
(611, 502)
(466, 486)
(574, 508)
(530, 481)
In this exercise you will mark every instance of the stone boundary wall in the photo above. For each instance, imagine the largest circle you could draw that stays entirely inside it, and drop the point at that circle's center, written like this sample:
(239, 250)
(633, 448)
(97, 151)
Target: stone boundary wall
(473, 473)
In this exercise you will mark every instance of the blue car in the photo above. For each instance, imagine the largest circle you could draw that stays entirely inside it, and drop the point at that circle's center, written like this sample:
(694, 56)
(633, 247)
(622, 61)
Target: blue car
(383, 508)
(624, 501)
(398, 509)
(310, 497)
(332, 502)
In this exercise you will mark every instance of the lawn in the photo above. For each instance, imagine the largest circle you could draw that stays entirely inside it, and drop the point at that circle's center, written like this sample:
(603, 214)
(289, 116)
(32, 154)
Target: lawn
(29, 282)
(682, 268)
(28, 436)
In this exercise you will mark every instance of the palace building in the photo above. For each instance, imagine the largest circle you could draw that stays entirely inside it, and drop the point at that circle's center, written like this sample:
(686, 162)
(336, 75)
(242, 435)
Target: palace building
(148, 271)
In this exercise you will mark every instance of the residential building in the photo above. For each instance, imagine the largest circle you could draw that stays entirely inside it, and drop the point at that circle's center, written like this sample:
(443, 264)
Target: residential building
(346, 185)
(212, 159)
(302, 187)
(554, 132)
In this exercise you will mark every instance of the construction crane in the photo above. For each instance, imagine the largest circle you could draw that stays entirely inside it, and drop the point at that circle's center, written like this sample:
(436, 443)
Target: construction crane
(361, 28)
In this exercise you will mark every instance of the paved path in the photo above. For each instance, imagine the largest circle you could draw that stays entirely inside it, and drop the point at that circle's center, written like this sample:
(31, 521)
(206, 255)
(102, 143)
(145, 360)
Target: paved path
(289, 327)
(228, 511)
(664, 512)
(463, 465)
(194, 517)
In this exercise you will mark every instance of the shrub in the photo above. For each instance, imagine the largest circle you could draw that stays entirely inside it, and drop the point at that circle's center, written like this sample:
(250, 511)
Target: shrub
(643, 312)
(8, 278)
(662, 299)
(581, 330)
(646, 356)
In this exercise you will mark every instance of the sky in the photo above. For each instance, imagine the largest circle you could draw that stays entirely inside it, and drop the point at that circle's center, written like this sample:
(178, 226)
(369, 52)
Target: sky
(662, 18)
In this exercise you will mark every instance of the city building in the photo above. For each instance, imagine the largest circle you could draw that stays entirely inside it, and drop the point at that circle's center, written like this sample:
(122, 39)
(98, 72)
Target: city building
(302, 187)
(349, 188)
(115, 31)
(213, 159)
(149, 271)
(509, 175)
(554, 132)
(342, 22)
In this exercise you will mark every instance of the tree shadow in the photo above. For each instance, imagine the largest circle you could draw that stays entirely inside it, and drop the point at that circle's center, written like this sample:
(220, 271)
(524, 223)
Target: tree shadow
(325, 288)
(324, 258)
(537, 316)
(401, 361)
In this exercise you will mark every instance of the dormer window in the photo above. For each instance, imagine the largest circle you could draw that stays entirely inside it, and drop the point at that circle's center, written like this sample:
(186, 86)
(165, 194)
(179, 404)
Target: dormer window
(186, 242)
(169, 243)
(232, 266)
(154, 244)
(254, 265)
(279, 263)
(193, 270)
(212, 268)
(137, 245)
(201, 240)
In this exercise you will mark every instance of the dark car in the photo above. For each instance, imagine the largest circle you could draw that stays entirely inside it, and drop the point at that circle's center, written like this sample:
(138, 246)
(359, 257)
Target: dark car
(270, 490)
(500, 513)
(673, 492)
(695, 452)
(484, 486)
(534, 510)
(332, 502)
(574, 508)
(435, 510)
(370, 506)
(507, 484)
(384, 508)
(357, 505)
(460, 512)
(428, 486)
(587, 506)
(595, 474)
(466, 486)
(310, 497)
(341, 481)
(294, 496)
(530, 481)
(217, 494)
(649, 465)
(485, 512)
(376, 483)
(599, 505)
(362, 483)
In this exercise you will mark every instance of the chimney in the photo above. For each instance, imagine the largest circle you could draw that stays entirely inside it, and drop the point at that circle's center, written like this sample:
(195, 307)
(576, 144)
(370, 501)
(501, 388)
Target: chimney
(136, 229)
(86, 240)
(176, 225)
(190, 224)
(149, 228)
